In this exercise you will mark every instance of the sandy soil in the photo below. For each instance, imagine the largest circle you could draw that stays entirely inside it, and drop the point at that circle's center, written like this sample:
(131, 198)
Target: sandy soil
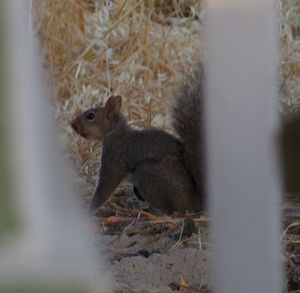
(153, 253)
(160, 254)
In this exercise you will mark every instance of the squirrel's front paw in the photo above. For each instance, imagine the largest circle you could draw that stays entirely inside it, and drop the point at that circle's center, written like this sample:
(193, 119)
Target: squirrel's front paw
(93, 206)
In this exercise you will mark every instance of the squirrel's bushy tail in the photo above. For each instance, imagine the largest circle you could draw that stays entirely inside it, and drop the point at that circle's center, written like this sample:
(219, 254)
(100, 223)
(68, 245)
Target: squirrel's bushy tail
(187, 121)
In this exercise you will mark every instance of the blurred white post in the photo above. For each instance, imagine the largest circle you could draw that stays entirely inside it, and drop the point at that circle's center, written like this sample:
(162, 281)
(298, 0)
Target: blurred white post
(54, 248)
(242, 124)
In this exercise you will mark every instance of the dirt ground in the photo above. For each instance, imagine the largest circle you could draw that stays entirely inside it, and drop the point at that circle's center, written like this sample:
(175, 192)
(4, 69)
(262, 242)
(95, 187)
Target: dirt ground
(290, 240)
(153, 253)
(150, 252)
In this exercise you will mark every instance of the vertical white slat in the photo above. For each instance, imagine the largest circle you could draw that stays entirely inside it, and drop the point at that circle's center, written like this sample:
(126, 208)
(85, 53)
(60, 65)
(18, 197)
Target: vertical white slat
(54, 245)
(242, 124)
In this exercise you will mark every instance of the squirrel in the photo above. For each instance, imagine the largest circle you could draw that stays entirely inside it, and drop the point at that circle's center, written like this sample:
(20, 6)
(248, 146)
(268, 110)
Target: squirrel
(167, 171)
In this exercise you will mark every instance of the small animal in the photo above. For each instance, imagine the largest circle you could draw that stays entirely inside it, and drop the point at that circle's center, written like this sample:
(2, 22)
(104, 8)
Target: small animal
(167, 171)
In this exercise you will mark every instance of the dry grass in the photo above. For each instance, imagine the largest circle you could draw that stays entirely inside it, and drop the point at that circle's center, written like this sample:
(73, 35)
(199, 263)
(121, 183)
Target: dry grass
(133, 48)
(290, 54)
(137, 49)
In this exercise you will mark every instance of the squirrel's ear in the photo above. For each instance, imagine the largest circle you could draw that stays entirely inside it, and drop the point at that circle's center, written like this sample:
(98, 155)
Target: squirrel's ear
(113, 105)
(118, 102)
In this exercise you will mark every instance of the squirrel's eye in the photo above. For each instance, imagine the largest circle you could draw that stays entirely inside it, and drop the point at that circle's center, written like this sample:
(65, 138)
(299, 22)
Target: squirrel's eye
(90, 116)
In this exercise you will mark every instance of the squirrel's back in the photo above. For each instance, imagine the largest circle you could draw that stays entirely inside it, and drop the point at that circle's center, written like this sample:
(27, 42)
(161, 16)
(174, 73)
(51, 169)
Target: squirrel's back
(187, 122)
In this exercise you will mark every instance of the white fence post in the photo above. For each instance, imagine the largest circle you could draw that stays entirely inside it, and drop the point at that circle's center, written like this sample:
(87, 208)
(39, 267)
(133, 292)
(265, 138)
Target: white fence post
(242, 124)
(53, 250)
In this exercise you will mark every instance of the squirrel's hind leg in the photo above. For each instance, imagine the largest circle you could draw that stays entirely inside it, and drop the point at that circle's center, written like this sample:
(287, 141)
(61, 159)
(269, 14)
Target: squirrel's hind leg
(137, 193)
(158, 185)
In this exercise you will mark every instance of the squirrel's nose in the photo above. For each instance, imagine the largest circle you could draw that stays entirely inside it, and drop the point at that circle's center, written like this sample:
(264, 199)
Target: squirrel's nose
(75, 124)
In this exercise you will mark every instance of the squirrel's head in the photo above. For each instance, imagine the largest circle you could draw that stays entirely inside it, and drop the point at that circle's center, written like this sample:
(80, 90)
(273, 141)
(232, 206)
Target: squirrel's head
(97, 122)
